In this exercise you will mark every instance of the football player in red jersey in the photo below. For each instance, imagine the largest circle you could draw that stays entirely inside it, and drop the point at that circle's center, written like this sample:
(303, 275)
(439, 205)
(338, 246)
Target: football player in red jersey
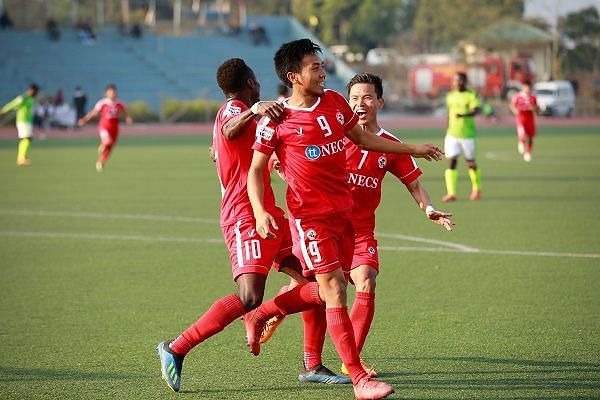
(110, 110)
(524, 107)
(251, 255)
(310, 145)
(366, 171)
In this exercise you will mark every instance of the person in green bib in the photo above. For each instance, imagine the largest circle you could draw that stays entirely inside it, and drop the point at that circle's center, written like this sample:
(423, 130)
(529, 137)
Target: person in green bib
(463, 105)
(23, 104)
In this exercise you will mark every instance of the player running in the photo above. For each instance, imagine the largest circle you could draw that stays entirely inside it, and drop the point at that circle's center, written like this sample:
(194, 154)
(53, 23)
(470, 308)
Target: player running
(463, 105)
(524, 107)
(24, 105)
(251, 255)
(110, 110)
(366, 171)
(310, 146)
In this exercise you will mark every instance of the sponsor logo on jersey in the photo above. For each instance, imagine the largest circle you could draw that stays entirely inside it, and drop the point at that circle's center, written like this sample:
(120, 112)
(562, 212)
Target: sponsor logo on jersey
(371, 250)
(340, 117)
(363, 181)
(251, 232)
(299, 131)
(311, 234)
(382, 162)
(232, 110)
(264, 132)
(313, 152)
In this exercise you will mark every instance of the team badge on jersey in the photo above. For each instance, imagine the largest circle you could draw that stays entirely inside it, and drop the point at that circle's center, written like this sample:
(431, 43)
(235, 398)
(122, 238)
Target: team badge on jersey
(371, 250)
(382, 162)
(312, 152)
(311, 234)
(340, 117)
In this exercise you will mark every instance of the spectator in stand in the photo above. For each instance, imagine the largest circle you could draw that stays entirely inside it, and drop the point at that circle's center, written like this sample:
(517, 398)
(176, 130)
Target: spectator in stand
(329, 66)
(5, 21)
(52, 30)
(79, 102)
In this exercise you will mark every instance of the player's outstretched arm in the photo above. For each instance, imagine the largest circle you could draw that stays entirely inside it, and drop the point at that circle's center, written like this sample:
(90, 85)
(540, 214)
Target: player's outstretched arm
(233, 128)
(12, 105)
(256, 190)
(377, 143)
(86, 118)
(423, 200)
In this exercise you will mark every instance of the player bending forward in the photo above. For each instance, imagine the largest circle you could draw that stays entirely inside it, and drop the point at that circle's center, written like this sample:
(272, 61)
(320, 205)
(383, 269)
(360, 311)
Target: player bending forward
(310, 146)
(110, 110)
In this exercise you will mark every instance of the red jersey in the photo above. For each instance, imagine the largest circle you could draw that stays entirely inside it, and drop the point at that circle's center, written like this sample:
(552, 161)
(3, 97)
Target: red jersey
(310, 146)
(110, 112)
(233, 163)
(366, 171)
(524, 104)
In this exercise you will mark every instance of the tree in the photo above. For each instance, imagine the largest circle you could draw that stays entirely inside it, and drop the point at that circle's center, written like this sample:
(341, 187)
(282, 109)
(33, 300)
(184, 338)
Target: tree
(581, 31)
(441, 24)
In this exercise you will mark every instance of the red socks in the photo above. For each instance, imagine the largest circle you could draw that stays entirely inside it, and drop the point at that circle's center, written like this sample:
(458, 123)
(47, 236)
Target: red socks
(223, 312)
(105, 154)
(301, 298)
(342, 335)
(315, 326)
(362, 314)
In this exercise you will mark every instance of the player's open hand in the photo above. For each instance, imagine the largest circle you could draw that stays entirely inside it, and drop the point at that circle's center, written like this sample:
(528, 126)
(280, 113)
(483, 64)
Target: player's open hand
(264, 223)
(80, 122)
(441, 218)
(271, 109)
(430, 152)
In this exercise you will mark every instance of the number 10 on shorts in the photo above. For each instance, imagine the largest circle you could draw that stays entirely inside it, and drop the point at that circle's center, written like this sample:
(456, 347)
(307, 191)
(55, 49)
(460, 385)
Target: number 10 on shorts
(252, 249)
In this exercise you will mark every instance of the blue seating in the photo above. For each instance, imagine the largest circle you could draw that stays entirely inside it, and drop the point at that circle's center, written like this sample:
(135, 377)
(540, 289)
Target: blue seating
(149, 69)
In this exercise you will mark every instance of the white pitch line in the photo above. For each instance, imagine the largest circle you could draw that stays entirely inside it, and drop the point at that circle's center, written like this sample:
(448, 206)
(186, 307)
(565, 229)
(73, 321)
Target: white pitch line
(76, 214)
(456, 246)
(94, 236)
(492, 251)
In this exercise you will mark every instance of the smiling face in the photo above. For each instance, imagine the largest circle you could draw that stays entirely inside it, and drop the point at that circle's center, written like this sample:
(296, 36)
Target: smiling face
(311, 76)
(364, 102)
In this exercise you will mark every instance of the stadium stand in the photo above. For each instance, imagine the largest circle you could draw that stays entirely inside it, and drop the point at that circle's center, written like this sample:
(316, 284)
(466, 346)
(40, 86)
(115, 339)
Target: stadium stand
(152, 68)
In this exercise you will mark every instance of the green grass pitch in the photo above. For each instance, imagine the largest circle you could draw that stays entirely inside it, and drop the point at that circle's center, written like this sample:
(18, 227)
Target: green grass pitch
(96, 269)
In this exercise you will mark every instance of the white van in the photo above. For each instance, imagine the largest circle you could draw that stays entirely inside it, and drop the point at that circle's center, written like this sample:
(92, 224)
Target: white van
(555, 98)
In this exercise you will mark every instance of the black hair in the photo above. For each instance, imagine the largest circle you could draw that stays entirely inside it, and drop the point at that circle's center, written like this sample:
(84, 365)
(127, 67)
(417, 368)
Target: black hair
(290, 55)
(232, 75)
(462, 76)
(110, 86)
(527, 83)
(366, 77)
(34, 87)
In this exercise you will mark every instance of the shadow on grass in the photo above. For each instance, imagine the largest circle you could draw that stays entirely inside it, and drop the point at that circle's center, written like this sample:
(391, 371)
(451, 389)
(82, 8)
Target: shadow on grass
(498, 374)
(12, 374)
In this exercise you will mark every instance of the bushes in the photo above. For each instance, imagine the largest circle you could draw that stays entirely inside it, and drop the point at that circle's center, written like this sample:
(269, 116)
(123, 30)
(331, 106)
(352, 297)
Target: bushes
(140, 111)
(174, 110)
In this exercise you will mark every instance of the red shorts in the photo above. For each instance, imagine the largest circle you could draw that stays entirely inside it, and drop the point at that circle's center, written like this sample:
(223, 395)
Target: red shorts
(250, 253)
(323, 243)
(108, 137)
(365, 250)
(525, 129)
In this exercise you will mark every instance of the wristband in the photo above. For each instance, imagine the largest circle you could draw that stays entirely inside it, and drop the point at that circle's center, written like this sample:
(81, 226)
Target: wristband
(429, 209)
(254, 108)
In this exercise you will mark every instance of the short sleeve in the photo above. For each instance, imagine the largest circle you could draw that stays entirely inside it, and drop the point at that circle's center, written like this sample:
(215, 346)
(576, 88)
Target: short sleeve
(232, 110)
(475, 103)
(405, 168)
(98, 106)
(266, 136)
(534, 101)
(350, 117)
(513, 100)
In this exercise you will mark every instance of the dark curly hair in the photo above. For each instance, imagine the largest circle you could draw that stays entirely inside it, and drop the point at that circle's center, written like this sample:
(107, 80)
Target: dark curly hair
(365, 77)
(289, 57)
(232, 74)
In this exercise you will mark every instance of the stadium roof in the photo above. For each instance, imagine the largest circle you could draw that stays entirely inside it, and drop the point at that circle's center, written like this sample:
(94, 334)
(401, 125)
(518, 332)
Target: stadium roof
(509, 32)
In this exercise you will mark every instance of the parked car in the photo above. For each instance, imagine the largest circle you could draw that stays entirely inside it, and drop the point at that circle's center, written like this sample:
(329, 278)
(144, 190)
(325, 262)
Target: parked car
(555, 98)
